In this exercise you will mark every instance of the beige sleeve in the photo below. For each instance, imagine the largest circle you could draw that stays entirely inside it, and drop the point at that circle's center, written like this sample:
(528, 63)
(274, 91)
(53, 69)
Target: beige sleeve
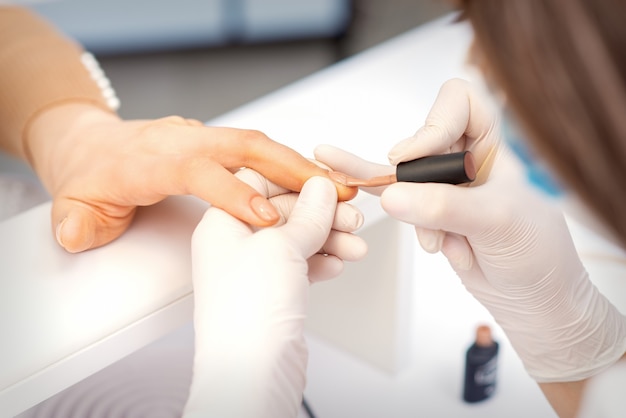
(39, 68)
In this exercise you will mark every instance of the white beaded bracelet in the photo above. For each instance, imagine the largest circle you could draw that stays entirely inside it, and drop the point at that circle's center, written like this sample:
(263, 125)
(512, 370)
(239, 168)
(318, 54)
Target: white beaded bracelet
(98, 75)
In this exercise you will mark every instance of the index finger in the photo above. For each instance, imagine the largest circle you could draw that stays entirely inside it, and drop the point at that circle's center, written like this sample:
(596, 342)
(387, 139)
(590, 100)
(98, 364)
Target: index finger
(312, 217)
(462, 118)
(285, 167)
(236, 148)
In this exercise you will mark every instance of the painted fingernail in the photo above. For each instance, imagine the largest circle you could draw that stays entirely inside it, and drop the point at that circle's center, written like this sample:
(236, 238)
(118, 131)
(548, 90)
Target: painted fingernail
(264, 209)
(59, 231)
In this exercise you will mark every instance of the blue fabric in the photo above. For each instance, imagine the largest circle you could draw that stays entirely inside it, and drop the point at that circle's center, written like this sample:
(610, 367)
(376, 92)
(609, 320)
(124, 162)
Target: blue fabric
(538, 174)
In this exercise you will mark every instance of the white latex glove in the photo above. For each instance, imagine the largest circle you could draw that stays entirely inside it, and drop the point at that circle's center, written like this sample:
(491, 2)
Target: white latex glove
(509, 245)
(250, 291)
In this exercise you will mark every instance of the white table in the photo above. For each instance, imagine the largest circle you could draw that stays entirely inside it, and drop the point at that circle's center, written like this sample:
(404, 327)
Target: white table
(66, 316)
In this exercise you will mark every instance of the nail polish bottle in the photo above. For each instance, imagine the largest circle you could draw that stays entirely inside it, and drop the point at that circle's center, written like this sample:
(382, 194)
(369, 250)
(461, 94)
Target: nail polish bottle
(481, 366)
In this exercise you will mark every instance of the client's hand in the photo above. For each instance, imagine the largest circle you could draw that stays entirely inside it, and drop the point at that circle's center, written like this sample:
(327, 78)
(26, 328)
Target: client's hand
(250, 291)
(99, 168)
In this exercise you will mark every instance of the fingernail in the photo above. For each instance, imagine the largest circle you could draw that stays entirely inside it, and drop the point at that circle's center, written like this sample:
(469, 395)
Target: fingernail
(356, 221)
(431, 240)
(359, 219)
(59, 231)
(264, 209)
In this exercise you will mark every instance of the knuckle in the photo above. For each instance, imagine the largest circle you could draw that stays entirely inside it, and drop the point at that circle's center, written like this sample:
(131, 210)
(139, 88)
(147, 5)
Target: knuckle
(254, 145)
(253, 135)
(172, 120)
(160, 134)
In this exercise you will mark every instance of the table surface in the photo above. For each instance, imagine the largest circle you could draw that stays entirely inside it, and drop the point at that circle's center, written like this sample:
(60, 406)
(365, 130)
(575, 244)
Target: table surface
(66, 316)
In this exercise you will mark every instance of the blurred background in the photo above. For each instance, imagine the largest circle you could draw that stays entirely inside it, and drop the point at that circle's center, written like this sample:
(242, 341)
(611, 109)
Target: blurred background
(201, 58)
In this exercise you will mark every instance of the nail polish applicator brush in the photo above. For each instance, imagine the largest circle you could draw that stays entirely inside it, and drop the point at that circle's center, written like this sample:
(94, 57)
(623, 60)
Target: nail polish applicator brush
(453, 168)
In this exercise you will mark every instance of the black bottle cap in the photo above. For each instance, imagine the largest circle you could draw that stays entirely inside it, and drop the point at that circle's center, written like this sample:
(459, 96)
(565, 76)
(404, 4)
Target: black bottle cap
(453, 168)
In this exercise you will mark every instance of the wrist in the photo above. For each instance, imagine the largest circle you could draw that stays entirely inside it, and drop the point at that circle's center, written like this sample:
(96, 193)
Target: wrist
(57, 132)
(42, 69)
(269, 373)
(580, 337)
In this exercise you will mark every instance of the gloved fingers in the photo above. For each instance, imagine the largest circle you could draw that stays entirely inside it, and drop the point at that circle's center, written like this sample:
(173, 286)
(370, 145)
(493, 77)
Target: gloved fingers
(445, 125)
(344, 245)
(458, 252)
(79, 226)
(431, 240)
(324, 267)
(259, 183)
(217, 233)
(348, 218)
(310, 221)
(461, 118)
(284, 204)
(340, 242)
(438, 206)
(348, 163)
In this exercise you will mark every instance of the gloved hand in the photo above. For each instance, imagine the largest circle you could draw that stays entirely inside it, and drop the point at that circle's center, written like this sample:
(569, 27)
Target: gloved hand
(250, 292)
(99, 168)
(509, 245)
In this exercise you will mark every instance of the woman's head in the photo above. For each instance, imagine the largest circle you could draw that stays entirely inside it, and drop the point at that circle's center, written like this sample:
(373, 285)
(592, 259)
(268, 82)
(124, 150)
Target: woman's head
(562, 66)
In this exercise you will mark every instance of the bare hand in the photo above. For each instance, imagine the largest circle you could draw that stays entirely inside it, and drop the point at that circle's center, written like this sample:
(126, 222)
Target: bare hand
(99, 168)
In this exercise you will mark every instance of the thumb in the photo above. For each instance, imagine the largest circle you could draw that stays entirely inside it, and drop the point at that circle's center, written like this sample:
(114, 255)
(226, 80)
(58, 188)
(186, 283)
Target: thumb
(217, 233)
(312, 216)
(436, 206)
(351, 164)
(79, 227)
